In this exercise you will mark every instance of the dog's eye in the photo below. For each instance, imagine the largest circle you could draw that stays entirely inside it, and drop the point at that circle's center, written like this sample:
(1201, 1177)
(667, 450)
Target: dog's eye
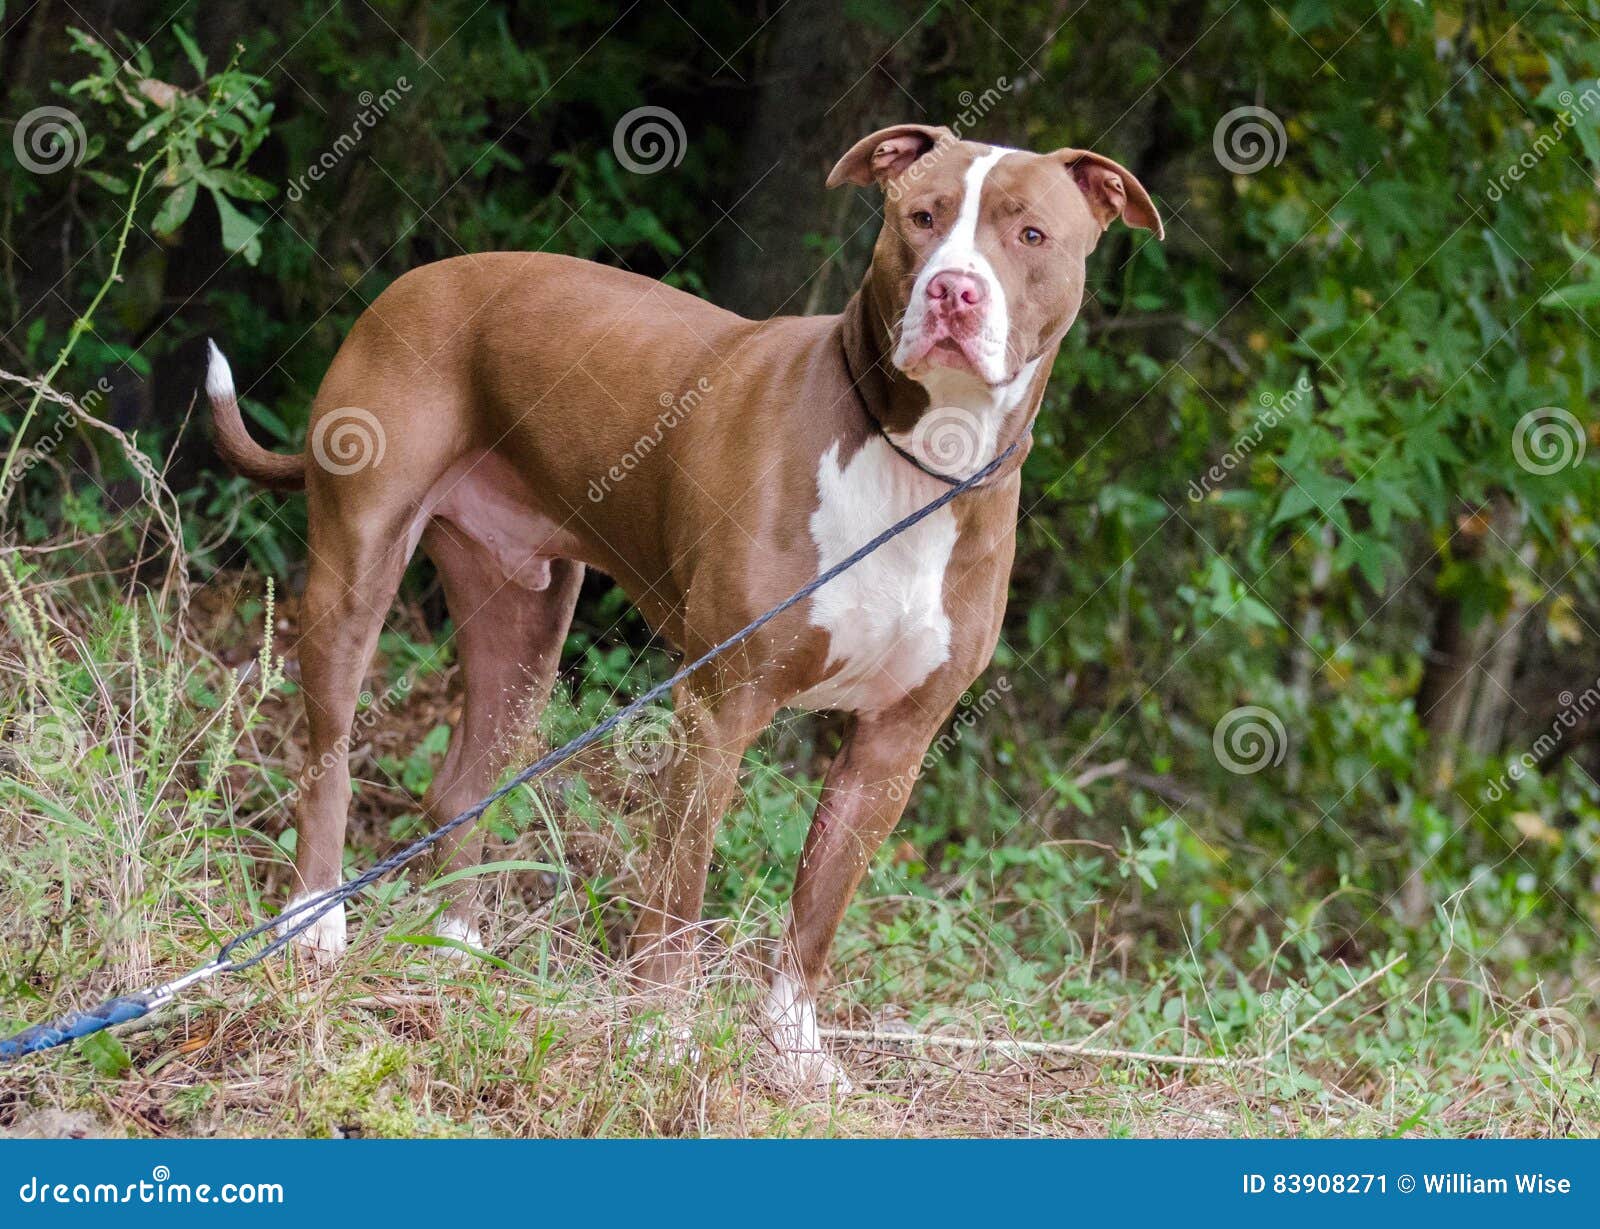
(1032, 236)
(922, 220)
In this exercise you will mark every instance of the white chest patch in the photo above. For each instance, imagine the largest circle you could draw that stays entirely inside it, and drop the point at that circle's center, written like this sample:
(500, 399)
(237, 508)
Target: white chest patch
(885, 618)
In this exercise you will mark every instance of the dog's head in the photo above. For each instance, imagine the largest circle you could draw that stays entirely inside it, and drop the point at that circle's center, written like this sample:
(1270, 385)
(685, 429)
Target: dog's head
(980, 262)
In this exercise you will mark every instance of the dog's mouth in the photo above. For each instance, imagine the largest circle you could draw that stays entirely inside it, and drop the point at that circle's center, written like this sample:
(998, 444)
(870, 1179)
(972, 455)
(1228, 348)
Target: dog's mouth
(941, 348)
(949, 352)
(944, 351)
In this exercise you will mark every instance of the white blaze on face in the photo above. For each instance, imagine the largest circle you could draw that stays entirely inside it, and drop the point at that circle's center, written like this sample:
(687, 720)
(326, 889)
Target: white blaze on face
(959, 253)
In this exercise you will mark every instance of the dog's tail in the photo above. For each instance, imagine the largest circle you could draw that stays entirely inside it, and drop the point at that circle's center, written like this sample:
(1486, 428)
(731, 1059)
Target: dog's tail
(243, 454)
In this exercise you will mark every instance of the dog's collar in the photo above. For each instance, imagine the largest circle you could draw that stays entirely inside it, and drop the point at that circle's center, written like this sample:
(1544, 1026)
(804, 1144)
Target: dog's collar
(908, 455)
(911, 457)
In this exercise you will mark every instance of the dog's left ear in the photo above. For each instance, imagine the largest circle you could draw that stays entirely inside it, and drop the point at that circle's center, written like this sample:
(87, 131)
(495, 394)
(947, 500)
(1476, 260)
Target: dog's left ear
(885, 154)
(1112, 191)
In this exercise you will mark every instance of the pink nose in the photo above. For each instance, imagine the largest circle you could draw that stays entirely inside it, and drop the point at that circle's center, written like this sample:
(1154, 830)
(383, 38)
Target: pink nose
(956, 292)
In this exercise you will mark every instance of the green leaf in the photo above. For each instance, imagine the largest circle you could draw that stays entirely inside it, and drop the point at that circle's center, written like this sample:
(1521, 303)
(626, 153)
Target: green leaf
(1584, 294)
(113, 184)
(492, 868)
(175, 209)
(106, 1054)
(1073, 794)
(239, 232)
(142, 137)
(190, 50)
(458, 945)
(1256, 612)
(239, 184)
(1296, 500)
(269, 419)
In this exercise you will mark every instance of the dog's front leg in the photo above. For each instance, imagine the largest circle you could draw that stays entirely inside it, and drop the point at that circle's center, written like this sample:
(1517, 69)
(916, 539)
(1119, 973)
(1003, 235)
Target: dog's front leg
(862, 799)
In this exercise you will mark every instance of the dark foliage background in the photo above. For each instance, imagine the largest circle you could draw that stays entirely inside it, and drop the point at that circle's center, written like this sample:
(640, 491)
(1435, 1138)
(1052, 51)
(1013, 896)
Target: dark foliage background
(1410, 604)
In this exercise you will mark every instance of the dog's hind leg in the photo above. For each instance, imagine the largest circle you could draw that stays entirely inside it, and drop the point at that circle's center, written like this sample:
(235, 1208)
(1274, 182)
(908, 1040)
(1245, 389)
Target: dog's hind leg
(508, 639)
(710, 731)
(356, 565)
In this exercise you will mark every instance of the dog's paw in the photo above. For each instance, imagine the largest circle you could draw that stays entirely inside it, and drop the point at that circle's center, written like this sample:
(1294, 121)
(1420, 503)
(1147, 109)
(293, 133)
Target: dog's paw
(324, 940)
(803, 1064)
(459, 930)
(814, 1072)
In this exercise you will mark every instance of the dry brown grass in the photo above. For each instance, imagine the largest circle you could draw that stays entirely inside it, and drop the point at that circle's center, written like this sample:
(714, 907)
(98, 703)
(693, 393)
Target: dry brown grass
(163, 831)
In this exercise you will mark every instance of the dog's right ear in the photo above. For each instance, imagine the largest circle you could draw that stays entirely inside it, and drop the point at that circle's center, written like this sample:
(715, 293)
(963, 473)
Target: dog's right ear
(886, 154)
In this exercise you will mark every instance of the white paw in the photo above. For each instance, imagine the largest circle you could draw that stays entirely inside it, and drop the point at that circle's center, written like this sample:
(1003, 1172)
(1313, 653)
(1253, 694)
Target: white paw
(819, 1072)
(792, 1026)
(324, 939)
(461, 931)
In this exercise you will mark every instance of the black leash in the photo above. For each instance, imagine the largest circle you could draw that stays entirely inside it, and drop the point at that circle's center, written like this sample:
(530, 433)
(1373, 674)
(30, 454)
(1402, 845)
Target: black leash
(905, 454)
(913, 458)
(301, 915)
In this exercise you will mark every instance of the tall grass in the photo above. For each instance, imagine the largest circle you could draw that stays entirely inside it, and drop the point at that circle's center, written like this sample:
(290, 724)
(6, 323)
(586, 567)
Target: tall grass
(144, 803)
(151, 735)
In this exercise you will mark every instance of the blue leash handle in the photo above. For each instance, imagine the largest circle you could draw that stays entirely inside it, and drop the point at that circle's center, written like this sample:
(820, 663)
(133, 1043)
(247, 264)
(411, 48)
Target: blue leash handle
(304, 913)
(79, 1024)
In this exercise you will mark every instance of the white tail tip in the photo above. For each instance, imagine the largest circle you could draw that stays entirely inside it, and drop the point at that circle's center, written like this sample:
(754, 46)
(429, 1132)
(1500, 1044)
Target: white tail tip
(219, 376)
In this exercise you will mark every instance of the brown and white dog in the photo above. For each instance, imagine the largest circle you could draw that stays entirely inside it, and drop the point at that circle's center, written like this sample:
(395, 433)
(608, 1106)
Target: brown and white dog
(498, 388)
